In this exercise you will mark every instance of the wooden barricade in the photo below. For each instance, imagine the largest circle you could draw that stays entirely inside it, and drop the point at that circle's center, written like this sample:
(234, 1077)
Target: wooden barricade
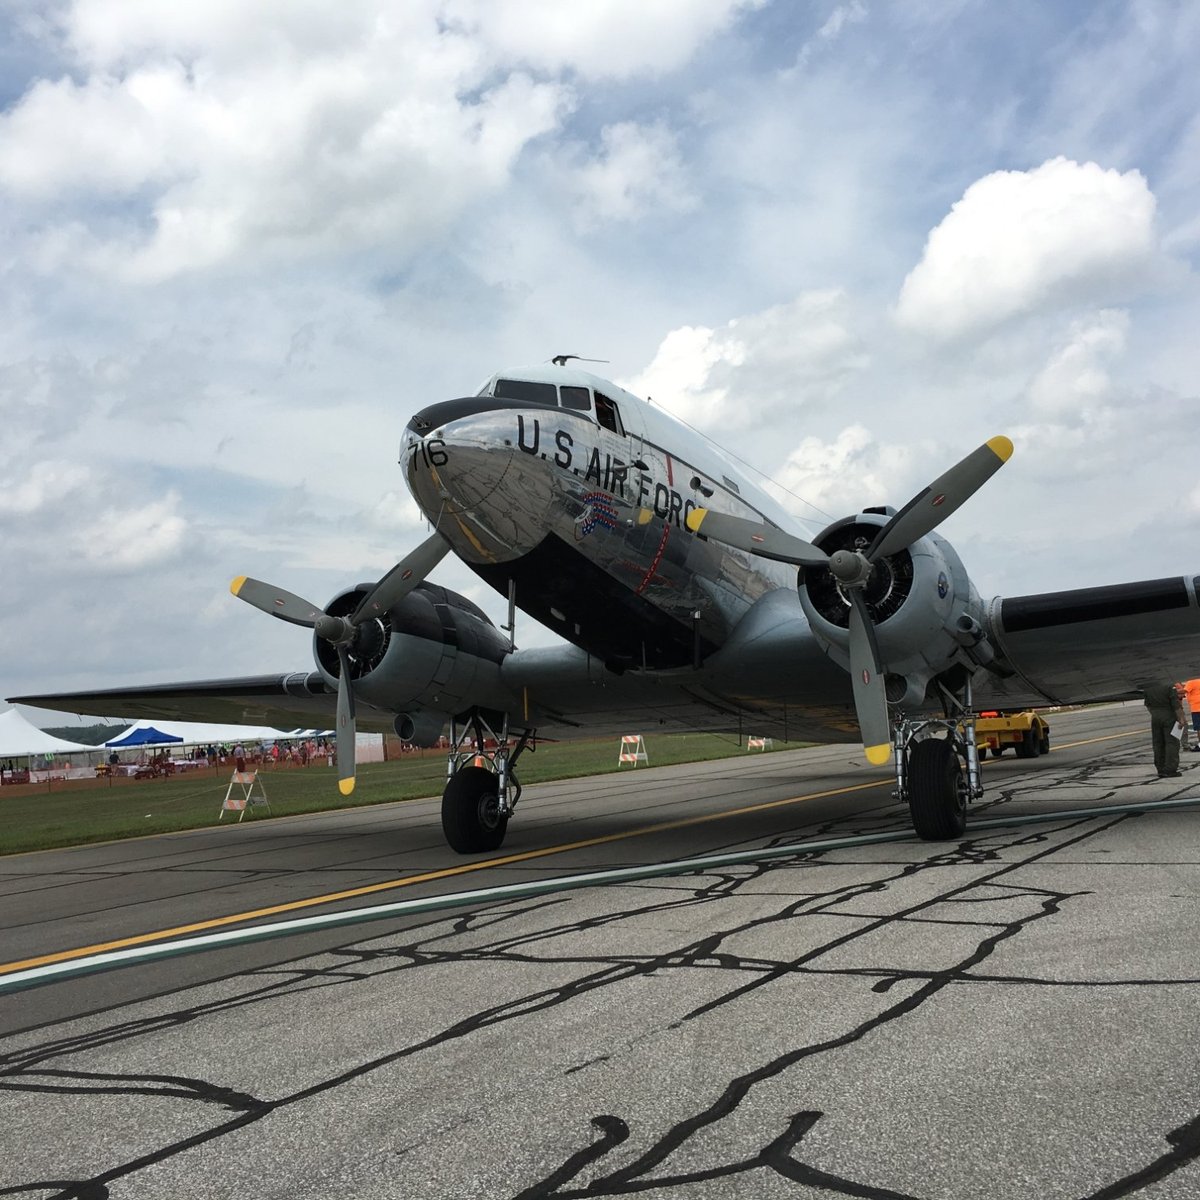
(758, 743)
(633, 750)
(251, 794)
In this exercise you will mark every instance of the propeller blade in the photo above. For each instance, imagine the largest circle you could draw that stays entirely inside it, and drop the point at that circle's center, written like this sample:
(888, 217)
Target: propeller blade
(866, 673)
(931, 506)
(284, 605)
(345, 724)
(401, 579)
(755, 538)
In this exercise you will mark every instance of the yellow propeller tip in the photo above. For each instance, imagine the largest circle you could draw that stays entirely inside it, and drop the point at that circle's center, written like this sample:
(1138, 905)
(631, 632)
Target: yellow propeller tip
(236, 585)
(345, 786)
(695, 517)
(878, 755)
(1001, 447)
(645, 516)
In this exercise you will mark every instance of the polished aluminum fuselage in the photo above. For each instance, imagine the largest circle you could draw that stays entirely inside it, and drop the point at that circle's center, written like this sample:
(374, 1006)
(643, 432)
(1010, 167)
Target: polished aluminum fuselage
(589, 524)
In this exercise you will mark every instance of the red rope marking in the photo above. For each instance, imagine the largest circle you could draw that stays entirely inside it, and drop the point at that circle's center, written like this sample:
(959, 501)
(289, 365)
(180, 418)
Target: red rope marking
(662, 545)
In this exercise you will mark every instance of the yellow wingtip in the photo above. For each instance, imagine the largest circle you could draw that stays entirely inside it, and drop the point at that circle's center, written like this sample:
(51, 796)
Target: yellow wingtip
(878, 755)
(346, 786)
(1001, 447)
(236, 585)
(695, 517)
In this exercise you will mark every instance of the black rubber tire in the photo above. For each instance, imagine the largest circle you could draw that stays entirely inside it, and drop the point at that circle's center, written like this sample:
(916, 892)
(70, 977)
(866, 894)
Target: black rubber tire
(1044, 743)
(469, 818)
(1030, 745)
(983, 753)
(937, 794)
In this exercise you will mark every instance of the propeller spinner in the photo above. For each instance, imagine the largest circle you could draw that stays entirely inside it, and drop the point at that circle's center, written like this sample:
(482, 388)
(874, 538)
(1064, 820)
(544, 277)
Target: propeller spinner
(852, 569)
(341, 632)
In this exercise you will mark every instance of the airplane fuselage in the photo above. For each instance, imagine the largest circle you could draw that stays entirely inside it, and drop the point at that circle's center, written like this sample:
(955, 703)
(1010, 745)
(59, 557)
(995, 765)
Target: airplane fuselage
(576, 494)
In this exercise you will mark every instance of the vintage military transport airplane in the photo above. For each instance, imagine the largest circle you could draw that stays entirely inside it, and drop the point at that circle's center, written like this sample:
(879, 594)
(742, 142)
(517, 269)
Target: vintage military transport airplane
(687, 603)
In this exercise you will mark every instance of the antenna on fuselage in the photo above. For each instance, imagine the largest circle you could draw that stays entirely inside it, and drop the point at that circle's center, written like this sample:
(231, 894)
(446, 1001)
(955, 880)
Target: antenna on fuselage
(561, 360)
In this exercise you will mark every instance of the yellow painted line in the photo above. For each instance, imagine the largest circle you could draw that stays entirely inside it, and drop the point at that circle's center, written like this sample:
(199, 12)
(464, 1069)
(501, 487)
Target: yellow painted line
(1108, 737)
(462, 869)
(428, 877)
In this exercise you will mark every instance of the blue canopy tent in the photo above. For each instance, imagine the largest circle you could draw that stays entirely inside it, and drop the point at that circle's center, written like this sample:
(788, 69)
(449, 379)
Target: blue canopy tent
(145, 736)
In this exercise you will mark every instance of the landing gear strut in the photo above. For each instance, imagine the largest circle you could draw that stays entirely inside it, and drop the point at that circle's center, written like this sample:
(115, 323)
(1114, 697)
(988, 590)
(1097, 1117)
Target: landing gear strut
(937, 776)
(482, 788)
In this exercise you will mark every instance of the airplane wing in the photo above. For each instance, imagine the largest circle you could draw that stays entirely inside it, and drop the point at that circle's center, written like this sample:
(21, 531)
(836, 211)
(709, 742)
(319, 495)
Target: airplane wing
(771, 677)
(1093, 644)
(298, 700)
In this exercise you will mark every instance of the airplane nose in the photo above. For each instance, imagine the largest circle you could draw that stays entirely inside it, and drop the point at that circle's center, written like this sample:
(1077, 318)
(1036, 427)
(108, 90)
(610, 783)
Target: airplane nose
(458, 460)
(457, 463)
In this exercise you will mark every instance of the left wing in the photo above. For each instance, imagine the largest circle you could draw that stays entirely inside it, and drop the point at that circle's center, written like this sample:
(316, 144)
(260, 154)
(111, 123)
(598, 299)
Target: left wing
(298, 700)
(1094, 644)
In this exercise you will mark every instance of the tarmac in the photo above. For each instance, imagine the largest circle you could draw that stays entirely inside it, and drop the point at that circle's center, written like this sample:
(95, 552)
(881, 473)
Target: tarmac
(1011, 1014)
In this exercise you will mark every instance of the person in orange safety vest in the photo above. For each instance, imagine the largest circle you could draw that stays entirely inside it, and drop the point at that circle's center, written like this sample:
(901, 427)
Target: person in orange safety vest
(1192, 690)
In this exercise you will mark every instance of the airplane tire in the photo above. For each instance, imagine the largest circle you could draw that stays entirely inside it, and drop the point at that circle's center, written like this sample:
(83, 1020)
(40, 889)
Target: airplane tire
(937, 794)
(470, 819)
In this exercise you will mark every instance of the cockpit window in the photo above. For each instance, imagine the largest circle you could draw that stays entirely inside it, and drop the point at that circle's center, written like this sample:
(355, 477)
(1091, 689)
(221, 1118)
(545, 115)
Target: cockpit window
(576, 397)
(524, 389)
(607, 414)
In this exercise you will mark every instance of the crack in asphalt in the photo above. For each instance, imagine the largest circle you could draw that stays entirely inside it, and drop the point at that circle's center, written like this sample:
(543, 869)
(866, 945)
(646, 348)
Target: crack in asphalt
(593, 1170)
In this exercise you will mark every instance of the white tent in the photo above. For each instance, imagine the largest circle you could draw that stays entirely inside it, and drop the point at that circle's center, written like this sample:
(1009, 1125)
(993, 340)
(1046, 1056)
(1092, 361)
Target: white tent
(18, 739)
(203, 733)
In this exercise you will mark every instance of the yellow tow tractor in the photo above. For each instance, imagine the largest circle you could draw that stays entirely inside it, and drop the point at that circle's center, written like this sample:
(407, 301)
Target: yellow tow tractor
(1027, 732)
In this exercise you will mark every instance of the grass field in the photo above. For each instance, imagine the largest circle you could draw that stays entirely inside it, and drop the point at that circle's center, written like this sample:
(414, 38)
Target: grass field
(70, 813)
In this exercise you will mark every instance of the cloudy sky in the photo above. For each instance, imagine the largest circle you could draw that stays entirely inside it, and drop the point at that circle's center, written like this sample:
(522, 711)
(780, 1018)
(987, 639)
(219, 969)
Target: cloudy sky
(242, 241)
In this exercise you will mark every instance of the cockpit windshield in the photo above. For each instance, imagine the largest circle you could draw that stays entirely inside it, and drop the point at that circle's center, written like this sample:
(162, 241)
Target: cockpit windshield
(524, 389)
(575, 397)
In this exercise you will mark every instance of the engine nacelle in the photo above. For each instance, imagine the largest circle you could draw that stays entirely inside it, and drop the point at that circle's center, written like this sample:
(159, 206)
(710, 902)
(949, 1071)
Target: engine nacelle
(431, 652)
(928, 616)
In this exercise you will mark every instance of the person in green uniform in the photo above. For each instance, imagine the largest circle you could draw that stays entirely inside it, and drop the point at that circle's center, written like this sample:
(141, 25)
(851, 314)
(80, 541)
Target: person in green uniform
(1166, 711)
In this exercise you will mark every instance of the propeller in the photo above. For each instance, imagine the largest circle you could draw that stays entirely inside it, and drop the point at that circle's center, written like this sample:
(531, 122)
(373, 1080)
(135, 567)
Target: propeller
(852, 570)
(341, 632)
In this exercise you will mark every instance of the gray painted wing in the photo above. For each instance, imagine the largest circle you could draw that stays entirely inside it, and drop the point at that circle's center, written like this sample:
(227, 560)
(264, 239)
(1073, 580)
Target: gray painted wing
(299, 700)
(1092, 644)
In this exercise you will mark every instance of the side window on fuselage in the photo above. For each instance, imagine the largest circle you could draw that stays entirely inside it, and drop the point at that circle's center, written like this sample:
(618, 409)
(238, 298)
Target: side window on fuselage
(578, 398)
(608, 415)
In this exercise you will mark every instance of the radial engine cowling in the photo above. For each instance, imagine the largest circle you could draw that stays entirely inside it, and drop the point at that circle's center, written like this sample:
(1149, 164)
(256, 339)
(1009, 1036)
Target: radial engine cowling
(927, 614)
(429, 653)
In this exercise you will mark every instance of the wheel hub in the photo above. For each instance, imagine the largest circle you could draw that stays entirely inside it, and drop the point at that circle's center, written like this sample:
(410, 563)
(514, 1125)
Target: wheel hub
(489, 810)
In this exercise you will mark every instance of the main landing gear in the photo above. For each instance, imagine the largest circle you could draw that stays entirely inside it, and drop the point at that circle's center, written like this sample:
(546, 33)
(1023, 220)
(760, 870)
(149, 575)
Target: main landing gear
(938, 775)
(482, 788)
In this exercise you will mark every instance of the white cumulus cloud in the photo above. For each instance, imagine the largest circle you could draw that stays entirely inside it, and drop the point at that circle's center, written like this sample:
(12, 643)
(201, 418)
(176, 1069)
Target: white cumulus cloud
(598, 39)
(43, 484)
(770, 363)
(1076, 383)
(123, 539)
(1019, 241)
(639, 168)
(842, 475)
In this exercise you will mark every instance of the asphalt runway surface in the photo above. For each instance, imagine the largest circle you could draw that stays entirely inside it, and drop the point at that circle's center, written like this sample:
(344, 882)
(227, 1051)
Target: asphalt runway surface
(1011, 1015)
